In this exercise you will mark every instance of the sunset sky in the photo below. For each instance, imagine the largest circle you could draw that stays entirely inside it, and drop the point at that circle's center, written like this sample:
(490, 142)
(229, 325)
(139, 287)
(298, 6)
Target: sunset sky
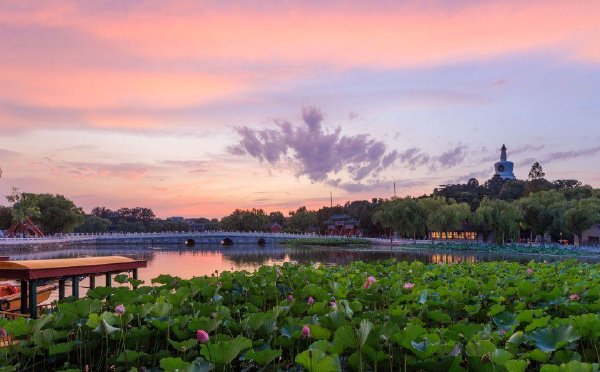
(197, 108)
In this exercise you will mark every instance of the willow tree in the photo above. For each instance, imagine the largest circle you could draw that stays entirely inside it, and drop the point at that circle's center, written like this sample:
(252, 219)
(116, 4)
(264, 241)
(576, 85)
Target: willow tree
(544, 212)
(384, 217)
(581, 215)
(405, 216)
(500, 217)
(445, 215)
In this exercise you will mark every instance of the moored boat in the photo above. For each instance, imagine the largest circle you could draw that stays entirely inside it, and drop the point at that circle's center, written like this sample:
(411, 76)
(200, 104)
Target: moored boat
(10, 296)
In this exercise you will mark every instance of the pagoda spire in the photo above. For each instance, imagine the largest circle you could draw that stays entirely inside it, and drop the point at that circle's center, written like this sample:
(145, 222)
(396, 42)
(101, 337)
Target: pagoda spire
(503, 153)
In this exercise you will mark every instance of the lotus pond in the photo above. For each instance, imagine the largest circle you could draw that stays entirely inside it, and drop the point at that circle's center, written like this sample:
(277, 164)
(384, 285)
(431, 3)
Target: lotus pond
(379, 316)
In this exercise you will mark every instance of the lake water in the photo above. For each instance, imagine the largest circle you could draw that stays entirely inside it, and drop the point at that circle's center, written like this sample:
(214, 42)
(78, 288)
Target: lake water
(205, 259)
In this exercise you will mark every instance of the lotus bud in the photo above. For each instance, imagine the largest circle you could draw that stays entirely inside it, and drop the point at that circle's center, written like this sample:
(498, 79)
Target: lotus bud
(305, 332)
(202, 336)
(310, 301)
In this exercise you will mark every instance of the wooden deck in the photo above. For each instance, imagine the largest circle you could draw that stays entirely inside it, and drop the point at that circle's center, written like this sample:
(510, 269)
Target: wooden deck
(33, 271)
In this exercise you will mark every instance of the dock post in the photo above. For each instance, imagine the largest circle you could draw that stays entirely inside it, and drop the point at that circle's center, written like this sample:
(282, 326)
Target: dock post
(75, 286)
(33, 299)
(135, 276)
(61, 289)
(23, 296)
(108, 280)
(92, 281)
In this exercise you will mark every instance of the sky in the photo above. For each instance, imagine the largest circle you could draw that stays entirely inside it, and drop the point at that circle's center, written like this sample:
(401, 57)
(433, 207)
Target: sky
(196, 108)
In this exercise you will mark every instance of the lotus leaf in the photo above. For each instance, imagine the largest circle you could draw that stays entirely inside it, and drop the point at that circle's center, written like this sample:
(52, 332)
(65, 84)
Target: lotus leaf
(553, 338)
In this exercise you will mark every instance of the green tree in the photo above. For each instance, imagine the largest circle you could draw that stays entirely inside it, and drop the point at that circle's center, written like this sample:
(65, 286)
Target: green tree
(52, 213)
(6, 217)
(543, 212)
(512, 190)
(500, 217)
(302, 220)
(581, 215)
(445, 215)
(384, 217)
(245, 220)
(93, 224)
(408, 217)
(536, 172)
(277, 217)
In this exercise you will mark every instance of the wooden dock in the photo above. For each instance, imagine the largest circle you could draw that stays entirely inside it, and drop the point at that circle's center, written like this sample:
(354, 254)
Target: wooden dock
(31, 273)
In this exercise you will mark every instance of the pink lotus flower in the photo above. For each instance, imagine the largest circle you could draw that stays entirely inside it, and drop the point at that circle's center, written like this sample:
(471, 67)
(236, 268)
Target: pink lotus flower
(369, 282)
(202, 336)
(310, 301)
(119, 310)
(409, 286)
(333, 304)
(305, 332)
(290, 298)
(529, 271)
(574, 297)
(3, 333)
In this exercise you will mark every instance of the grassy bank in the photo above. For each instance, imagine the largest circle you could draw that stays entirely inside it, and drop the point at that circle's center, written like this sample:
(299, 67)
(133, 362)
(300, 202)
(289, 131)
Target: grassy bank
(552, 250)
(384, 316)
(327, 242)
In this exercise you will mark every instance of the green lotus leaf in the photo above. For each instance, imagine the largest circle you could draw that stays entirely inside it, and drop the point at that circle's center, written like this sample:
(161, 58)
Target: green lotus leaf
(505, 321)
(61, 348)
(318, 361)
(104, 328)
(121, 278)
(516, 365)
(319, 333)
(263, 357)
(439, 316)
(224, 352)
(322, 345)
(345, 339)
(363, 332)
(184, 346)
(129, 356)
(554, 338)
(174, 364)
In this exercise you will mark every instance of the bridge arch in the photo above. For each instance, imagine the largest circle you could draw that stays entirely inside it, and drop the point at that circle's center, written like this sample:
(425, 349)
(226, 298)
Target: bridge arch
(261, 241)
(226, 242)
(190, 242)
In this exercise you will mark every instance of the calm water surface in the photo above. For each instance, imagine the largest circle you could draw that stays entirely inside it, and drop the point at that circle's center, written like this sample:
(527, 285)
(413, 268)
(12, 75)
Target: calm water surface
(205, 259)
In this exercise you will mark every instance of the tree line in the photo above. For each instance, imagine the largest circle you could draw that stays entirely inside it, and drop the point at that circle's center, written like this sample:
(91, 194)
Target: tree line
(506, 210)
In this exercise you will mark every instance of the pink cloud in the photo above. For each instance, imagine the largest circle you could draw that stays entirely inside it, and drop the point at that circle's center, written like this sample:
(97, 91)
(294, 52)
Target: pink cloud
(139, 65)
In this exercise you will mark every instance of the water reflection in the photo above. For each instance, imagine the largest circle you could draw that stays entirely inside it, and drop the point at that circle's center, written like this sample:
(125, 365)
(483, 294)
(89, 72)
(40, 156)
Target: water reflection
(205, 259)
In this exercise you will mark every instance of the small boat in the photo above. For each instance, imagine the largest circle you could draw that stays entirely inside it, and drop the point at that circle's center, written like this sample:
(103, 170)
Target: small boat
(10, 296)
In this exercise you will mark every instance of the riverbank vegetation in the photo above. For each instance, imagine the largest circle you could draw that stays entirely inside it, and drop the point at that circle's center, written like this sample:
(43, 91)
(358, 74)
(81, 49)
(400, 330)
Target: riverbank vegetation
(498, 210)
(547, 250)
(327, 242)
(384, 316)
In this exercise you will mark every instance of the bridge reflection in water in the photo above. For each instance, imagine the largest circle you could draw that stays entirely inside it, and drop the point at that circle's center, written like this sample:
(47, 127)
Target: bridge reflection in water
(187, 262)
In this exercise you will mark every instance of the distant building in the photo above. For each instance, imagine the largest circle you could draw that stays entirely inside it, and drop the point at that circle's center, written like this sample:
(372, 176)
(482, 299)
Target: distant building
(504, 168)
(176, 219)
(453, 235)
(275, 227)
(342, 225)
(591, 236)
